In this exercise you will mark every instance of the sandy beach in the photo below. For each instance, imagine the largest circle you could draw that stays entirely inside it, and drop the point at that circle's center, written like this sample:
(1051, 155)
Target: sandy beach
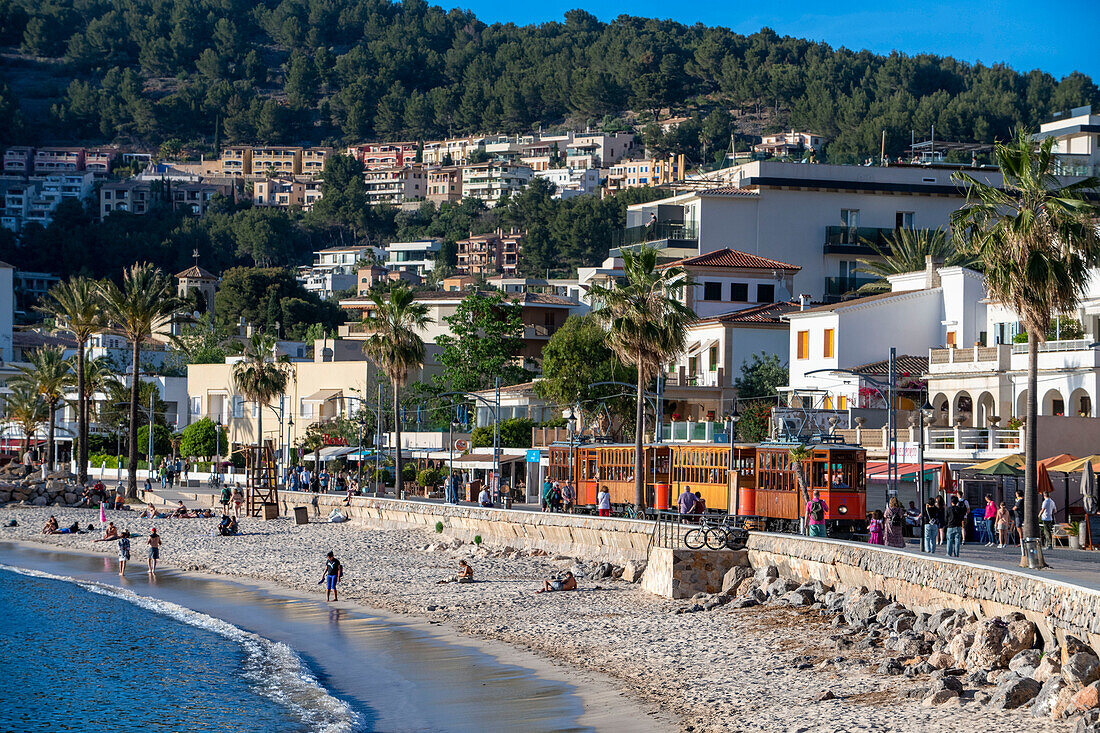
(752, 669)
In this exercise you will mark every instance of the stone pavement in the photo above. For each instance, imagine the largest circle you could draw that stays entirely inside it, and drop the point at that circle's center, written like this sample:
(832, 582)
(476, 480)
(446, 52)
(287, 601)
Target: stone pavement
(1077, 567)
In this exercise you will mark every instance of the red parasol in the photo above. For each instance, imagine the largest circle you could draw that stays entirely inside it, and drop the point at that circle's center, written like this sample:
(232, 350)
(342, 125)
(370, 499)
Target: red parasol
(1043, 483)
(947, 482)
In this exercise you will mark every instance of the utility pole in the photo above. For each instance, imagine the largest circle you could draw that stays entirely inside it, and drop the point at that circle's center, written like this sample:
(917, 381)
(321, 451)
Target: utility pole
(496, 439)
(892, 427)
(378, 446)
(149, 467)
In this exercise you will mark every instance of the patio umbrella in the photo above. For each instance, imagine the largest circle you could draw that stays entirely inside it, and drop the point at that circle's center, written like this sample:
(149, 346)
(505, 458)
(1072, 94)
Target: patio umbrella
(1043, 483)
(947, 483)
(1057, 460)
(1015, 460)
(1088, 489)
(1000, 469)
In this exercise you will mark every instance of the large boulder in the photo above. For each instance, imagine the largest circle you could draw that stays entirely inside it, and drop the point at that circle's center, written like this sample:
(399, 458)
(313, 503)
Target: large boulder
(860, 610)
(1072, 645)
(1026, 662)
(780, 586)
(632, 571)
(940, 660)
(1088, 697)
(1080, 670)
(1014, 693)
(1043, 704)
(1021, 635)
(1087, 723)
(987, 651)
(1048, 667)
(40, 501)
(767, 573)
(733, 578)
(959, 646)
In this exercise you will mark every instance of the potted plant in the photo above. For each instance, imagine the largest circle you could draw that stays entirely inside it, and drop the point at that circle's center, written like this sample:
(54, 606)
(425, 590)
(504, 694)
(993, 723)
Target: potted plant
(1073, 530)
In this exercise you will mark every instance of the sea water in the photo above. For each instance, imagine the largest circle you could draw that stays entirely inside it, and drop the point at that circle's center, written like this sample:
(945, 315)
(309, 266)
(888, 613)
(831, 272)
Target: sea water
(81, 655)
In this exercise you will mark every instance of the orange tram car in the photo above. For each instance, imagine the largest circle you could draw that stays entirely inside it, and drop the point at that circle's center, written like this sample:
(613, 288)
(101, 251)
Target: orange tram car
(760, 488)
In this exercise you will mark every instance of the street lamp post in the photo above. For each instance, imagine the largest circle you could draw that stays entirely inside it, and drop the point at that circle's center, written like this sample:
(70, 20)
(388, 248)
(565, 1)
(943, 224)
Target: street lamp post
(732, 419)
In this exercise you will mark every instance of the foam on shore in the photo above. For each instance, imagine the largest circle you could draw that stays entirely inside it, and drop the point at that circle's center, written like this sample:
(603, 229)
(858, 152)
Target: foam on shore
(272, 668)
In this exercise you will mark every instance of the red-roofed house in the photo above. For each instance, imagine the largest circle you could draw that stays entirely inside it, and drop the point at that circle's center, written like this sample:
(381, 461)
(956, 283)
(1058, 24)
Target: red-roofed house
(727, 280)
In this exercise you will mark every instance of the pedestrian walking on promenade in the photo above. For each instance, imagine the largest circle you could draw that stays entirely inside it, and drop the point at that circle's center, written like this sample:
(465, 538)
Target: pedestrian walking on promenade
(931, 521)
(957, 516)
(894, 519)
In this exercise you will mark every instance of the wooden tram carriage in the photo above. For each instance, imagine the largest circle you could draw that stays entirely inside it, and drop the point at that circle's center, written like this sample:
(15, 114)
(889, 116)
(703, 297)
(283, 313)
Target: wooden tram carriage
(761, 486)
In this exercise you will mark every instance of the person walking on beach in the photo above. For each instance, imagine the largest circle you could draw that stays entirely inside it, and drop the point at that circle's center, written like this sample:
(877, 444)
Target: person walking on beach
(154, 549)
(123, 551)
(224, 499)
(894, 519)
(334, 571)
(815, 515)
(238, 501)
(956, 518)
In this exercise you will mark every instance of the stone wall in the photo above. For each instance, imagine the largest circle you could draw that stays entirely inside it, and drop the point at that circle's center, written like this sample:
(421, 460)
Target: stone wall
(683, 573)
(931, 583)
(606, 539)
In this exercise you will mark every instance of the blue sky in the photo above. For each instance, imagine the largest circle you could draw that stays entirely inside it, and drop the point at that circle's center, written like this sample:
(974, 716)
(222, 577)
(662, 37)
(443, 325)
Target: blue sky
(1058, 36)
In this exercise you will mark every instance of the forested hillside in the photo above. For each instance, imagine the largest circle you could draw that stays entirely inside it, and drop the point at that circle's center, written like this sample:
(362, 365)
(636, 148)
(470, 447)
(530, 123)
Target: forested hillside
(209, 72)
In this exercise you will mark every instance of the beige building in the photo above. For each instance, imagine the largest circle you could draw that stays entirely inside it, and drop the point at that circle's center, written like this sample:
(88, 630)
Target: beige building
(318, 391)
(299, 193)
(282, 160)
(444, 184)
(490, 254)
(395, 186)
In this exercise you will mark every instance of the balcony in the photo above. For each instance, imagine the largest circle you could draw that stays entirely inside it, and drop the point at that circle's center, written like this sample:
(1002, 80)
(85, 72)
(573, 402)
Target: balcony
(534, 331)
(836, 287)
(841, 240)
(675, 234)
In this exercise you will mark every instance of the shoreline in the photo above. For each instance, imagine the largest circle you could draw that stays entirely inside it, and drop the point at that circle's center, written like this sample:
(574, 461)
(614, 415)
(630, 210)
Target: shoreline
(727, 670)
(604, 705)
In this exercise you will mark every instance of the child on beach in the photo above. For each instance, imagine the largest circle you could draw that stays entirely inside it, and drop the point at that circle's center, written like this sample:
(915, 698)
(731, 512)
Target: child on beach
(154, 549)
(334, 571)
(123, 551)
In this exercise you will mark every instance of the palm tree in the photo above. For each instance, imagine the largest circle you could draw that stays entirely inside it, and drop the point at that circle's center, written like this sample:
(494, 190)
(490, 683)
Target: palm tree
(77, 307)
(261, 376)
(144, 304)
(646, 326)
(48, 374)
(907, 250)
(396, 349)
(24, 407)
(1036, 239)
(798, 456)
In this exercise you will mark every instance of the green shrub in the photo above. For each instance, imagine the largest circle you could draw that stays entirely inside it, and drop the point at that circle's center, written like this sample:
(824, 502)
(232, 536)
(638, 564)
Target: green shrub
(439, 527)
(477, 539)
(427, 477)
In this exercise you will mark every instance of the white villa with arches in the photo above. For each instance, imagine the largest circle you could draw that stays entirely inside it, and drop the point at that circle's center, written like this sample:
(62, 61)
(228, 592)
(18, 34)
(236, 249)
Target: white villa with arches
(977, 374)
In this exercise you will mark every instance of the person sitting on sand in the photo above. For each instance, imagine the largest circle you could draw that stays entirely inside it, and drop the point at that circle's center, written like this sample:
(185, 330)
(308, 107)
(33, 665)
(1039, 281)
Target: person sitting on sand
(465, 574)
(228, 526)
(110, 533)
(51, 525)
(149, 513)
(181, 510)
(567, 583)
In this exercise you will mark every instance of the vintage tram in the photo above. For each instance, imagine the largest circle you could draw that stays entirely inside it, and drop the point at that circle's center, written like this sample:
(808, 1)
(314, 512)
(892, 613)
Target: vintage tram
(759, 487)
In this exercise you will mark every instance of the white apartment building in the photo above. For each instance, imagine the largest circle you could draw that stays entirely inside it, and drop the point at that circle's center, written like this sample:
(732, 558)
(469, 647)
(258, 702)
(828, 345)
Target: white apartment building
(417, 257)
(727, 280)
(933, 308)
(335, 269)
(598, 150)
(395, 186)
(1077, 141)
(36, 199)
(815, 216)
(570, 182)
(785, 144)
(488, 181)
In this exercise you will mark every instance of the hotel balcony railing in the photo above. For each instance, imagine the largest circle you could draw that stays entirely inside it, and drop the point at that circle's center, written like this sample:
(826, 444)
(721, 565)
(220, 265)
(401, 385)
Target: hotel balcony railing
(836, 286)
(654, 232)
(857, 240)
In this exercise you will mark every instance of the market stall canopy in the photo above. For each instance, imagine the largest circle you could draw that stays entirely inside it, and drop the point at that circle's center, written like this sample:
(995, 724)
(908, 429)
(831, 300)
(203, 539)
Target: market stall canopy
(1059, 459)
(331, 452)
(1077, 465)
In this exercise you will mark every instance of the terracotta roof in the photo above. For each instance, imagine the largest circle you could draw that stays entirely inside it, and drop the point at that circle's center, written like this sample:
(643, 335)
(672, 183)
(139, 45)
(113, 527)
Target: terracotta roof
(734, 258)
(859, 301)
(765, 313)
(911, 365)
(196, 271)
